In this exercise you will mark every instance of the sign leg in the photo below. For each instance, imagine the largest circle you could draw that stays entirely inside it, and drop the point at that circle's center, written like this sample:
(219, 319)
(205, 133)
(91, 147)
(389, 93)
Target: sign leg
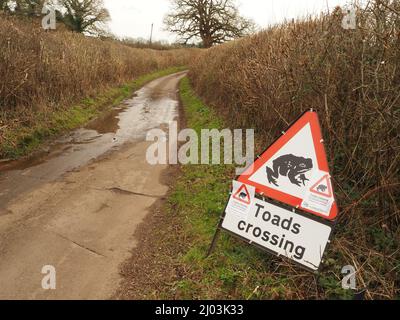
(214, 241)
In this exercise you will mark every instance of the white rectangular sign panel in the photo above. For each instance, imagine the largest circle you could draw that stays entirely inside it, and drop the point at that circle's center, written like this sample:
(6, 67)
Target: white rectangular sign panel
(242, 198)
(281, 231)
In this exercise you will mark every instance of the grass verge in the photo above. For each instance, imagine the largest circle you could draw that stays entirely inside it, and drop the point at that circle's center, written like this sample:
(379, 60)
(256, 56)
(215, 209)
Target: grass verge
(174, 240)
(235, 270)
(22, 138)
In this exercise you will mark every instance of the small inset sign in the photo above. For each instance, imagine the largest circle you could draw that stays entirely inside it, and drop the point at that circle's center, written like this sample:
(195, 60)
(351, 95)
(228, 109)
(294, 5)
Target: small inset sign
(243, 195)
(323, 187)
(242, 198)
(319, 197)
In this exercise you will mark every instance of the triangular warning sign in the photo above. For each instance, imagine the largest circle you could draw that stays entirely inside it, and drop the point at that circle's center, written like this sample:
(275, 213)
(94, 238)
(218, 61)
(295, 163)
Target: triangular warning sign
(243, 195)
(289, 167)
(323, 187)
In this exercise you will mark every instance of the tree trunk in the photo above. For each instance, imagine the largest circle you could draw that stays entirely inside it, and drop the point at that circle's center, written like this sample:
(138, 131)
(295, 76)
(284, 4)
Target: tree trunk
(207, 41)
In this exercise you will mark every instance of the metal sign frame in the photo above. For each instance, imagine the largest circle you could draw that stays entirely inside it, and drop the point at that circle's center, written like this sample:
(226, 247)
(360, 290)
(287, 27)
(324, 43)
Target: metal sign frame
(310, 215)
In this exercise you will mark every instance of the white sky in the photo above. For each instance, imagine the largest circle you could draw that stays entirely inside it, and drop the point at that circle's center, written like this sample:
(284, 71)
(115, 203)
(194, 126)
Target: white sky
(133, 18)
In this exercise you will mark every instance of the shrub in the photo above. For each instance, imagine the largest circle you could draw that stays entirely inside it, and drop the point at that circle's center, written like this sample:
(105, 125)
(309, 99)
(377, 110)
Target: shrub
(352, 78)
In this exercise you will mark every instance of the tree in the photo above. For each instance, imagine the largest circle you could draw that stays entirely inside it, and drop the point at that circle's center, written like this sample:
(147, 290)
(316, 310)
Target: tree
(4, 5)
(212, 21)
(84, 16)
(29, 7)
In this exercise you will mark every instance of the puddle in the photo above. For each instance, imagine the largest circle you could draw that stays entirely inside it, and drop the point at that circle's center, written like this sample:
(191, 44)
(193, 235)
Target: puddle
(107, 123)
(154, 105)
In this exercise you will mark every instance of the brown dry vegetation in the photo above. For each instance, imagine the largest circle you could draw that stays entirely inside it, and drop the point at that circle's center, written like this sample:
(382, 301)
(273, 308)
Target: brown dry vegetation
(46, 71)
(352, 77)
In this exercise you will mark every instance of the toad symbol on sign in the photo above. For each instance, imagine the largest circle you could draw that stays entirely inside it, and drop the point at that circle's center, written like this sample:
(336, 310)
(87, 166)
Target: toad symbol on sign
(292, 167)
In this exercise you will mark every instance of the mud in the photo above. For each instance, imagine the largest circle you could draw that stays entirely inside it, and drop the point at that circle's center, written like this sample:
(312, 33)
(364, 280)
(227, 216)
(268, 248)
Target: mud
(77, 205)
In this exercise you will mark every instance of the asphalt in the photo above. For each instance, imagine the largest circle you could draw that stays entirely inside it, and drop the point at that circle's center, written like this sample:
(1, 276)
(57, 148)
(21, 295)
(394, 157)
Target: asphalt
(77, 204)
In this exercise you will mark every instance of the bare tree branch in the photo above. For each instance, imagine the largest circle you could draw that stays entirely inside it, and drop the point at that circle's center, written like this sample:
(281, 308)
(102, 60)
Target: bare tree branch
(212, 21)
(84, 15)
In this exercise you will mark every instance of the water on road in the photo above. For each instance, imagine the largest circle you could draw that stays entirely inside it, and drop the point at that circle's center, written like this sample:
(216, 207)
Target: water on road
(76, 205)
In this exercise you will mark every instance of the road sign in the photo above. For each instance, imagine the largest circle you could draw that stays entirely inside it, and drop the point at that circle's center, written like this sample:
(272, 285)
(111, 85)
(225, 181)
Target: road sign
(295, 171)
(242, 195)
(323, 187)
(242, 198)
(280, 231)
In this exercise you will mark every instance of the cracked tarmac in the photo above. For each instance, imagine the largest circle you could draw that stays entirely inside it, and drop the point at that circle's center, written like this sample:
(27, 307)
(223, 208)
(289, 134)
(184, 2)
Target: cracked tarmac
(77, 206)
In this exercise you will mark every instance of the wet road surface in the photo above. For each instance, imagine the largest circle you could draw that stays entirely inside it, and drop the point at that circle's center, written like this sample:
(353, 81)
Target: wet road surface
(76, 205)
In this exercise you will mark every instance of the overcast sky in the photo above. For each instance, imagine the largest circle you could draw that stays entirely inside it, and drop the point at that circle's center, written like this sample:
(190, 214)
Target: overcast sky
(133, 18)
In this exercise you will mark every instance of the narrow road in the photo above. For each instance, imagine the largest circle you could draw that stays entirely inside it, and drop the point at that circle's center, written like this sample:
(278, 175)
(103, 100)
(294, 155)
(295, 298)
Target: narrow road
(77, 205)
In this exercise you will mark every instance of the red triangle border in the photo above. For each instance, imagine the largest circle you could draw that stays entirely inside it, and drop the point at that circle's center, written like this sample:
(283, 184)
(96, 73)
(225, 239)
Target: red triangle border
(309, 117)
(239, 191)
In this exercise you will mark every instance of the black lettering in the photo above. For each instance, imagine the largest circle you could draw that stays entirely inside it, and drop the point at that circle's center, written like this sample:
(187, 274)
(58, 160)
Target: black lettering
(242, 223)
(296, 228)
(287, 223)
(299, 253)
(282, 240)
(257, 232)
(266, 216)
(249, 227)
(276, 221)
(259, 208)
(266, 236)
(291, 246)
(275, 240)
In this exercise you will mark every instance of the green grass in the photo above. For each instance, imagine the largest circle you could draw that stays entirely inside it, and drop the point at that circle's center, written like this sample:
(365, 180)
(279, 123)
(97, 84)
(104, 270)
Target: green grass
(200, 196)
(235, 270)
(21, 140)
